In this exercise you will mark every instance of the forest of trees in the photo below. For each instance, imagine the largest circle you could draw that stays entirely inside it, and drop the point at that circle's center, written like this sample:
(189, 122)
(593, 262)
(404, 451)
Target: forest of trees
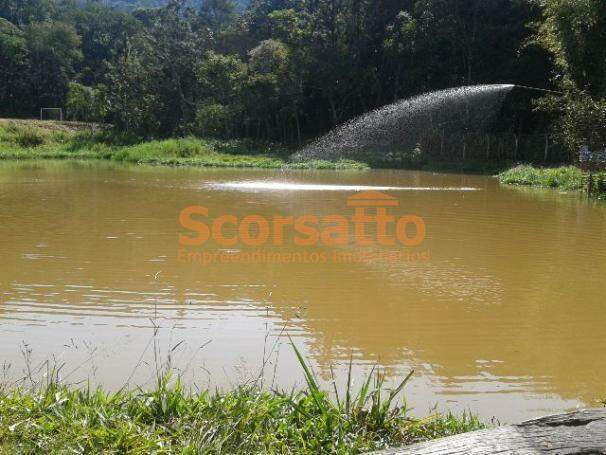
(288, 70)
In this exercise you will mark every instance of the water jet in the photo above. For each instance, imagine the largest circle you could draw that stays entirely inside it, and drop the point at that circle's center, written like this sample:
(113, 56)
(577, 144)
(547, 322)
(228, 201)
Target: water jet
(447, 123)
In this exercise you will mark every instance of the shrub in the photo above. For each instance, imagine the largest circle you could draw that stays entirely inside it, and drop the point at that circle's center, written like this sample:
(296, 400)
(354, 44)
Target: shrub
(27, 136)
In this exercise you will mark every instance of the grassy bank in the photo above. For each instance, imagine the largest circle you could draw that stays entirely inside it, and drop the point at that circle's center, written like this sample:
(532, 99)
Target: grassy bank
(21, 139)
(566, 178)
(169, 419)
(32, 139)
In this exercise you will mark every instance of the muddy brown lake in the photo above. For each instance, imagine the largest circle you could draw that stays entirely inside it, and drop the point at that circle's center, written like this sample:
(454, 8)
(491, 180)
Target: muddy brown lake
(499, 309)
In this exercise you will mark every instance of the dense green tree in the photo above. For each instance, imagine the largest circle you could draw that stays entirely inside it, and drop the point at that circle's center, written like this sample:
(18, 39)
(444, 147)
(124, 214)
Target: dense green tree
(217, 14)
(53, 52)
(265, 88)
(177, 50)
(13, 52)
(84, 103)
(289, 70)
(23, 12)
(574, 32)
(103, 34)
(221, 79)
(132, 104)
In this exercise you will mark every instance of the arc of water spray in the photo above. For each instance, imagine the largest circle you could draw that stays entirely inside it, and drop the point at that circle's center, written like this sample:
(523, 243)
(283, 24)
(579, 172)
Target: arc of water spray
(401, 125)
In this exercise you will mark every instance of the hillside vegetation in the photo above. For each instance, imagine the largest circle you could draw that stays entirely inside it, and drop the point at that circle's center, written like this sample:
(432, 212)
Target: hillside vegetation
(287, 71)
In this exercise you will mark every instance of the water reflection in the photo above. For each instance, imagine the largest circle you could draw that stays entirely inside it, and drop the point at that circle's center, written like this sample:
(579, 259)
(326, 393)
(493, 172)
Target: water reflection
(291, 186)
(505, 318)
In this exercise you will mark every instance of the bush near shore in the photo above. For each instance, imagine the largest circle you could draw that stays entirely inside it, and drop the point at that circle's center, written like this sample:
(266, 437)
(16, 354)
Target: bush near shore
(566, 178)
(62, 140)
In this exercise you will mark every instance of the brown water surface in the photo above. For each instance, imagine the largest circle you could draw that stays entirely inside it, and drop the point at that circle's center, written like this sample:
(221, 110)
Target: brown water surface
(507, 316)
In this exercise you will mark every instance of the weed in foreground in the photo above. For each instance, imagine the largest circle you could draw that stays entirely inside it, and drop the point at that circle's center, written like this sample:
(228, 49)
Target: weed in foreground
(247, 419)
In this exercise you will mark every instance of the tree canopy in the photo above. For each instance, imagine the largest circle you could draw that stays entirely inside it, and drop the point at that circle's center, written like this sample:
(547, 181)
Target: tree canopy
(288, 70)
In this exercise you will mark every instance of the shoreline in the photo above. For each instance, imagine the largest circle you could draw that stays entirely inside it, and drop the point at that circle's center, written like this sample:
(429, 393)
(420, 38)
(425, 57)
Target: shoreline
(52, 417)
(22, 140)
(49, 140)
(564, 178)
(31, 140)
(244, 420)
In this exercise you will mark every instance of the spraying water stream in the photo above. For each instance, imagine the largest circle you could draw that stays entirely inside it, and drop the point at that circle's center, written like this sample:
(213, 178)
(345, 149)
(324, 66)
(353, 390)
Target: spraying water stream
(403, 124)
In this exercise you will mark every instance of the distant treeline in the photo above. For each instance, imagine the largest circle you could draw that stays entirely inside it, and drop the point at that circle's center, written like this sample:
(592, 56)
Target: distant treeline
(288, 70)
(130, 5)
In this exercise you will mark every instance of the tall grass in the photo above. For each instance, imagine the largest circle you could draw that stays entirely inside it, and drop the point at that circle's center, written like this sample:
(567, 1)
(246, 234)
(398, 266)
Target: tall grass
(31, 140)
(247, 419)
(25, 136)
(193, 152)
(567, 178)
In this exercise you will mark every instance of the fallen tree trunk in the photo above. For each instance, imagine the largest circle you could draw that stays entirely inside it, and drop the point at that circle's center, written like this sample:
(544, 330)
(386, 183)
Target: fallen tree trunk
(580, 432)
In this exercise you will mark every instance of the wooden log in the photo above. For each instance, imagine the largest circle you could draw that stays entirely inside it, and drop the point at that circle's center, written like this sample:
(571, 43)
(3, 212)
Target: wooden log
(580, 432)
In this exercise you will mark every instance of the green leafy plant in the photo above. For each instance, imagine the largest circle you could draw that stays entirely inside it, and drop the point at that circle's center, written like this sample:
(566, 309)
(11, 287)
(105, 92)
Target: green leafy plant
(52, 418)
